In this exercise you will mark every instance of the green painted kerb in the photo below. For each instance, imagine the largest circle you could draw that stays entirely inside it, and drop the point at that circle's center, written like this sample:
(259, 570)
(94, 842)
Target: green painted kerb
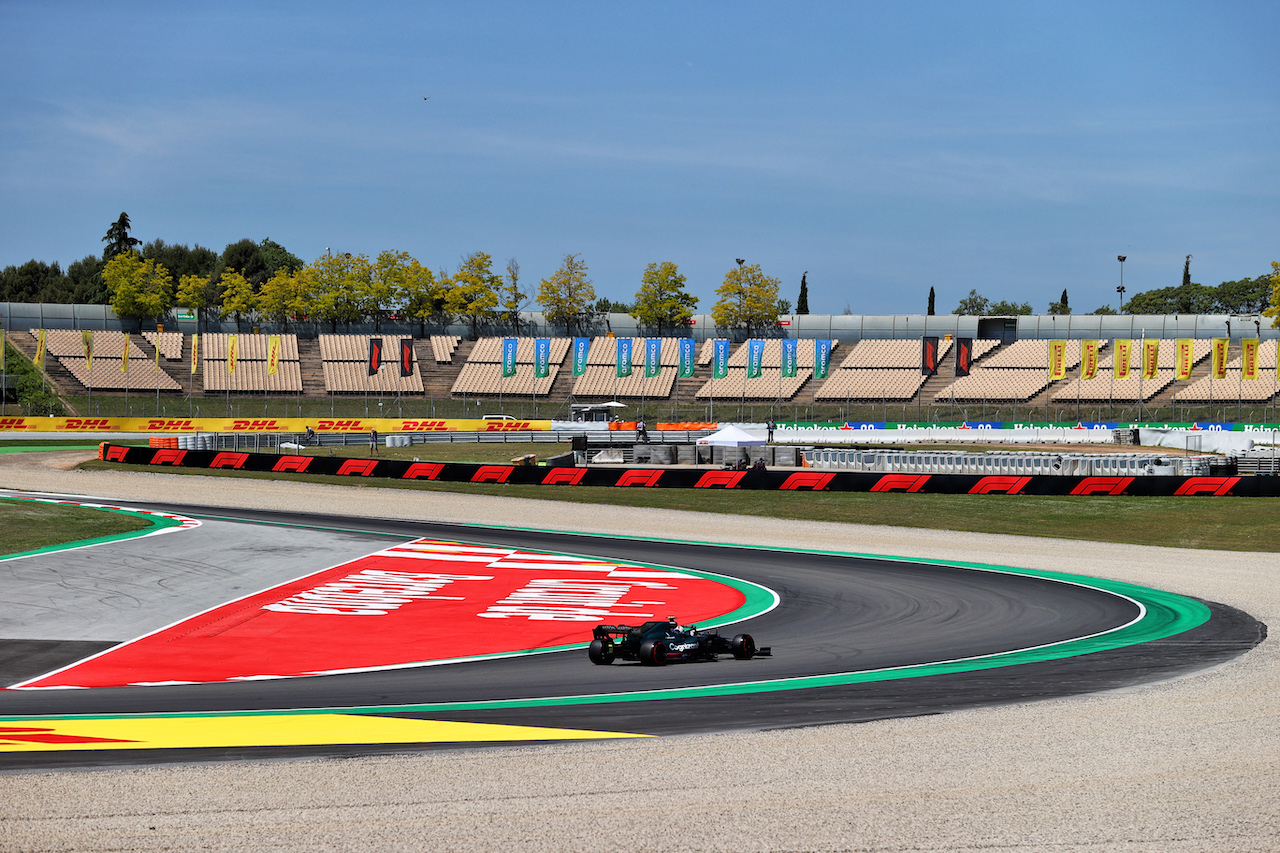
(157, 523)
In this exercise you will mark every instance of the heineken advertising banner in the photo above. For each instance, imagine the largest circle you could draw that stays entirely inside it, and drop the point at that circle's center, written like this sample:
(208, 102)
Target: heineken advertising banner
(805, 479)
(622, 361)
(755, 358)
(508, 357)
(581, 346)
(686, 357)
(789, 349)
(652, 357)
(821, 358)
(719, 358)
(542, 357)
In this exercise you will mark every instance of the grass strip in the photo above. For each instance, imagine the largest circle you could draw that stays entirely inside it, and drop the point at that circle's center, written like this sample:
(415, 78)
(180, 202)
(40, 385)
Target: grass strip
(27, 526)
(1222, 523)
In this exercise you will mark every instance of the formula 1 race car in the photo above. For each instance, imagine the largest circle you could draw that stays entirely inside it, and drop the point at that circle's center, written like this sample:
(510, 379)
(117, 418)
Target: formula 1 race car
(657, 643)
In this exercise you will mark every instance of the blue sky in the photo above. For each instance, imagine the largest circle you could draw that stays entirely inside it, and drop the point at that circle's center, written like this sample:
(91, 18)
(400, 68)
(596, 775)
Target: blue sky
(1015, 148)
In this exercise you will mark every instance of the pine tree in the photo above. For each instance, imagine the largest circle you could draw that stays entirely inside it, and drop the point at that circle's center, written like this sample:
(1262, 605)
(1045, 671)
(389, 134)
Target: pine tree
(802, 302)
(931, 301)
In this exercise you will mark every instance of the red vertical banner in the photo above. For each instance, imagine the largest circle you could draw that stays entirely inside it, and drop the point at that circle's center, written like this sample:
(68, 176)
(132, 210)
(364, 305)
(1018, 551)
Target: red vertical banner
(1088, 360)
(928, 356)
(964, 356)
(1057, 360)
(1220, 346)
(1150, 358)
(375, 355)
(406, 357)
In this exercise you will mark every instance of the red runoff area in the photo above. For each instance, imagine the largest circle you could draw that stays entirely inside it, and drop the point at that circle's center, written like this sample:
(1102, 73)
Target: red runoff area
(420, 602)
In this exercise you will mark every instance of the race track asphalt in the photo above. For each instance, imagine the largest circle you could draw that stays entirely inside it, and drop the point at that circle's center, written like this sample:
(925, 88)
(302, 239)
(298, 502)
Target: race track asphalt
(836, 614)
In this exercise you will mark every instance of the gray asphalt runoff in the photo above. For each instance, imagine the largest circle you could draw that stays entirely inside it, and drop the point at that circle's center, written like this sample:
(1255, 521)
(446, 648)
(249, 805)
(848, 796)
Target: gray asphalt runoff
(1185, 763)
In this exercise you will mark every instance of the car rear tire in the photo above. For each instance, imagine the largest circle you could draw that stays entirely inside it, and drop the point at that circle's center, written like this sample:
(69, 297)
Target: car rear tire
(743, 646)
(600, 653)
(653, 653)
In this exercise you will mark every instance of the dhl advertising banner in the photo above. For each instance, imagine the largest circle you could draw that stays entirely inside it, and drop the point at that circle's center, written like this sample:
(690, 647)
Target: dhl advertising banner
(806, 480)
(251, 425)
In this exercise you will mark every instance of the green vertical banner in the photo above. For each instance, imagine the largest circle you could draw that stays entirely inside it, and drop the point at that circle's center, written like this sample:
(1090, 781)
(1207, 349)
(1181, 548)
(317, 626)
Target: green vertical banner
(755, 358)
(789, 348)
(581, 347)
(622, 362)
(542, 357)
(508, 357)
(686, 358)
(719, 359)
(652, 357)
(821, 358)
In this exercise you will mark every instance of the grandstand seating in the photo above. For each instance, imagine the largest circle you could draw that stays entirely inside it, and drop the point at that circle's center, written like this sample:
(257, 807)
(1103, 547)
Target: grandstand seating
(1166, 358)
(1233, 387)
(69, 342)
(772, 355)
(443, 347)
(602, 381)
(251, 364)
(893, 353)
(345, 362)
(169, 344)
(769, 385)
(485, 378)
(995, 384)
(1104, 387)
(871, 384)
(1032, 355)
(142, 375)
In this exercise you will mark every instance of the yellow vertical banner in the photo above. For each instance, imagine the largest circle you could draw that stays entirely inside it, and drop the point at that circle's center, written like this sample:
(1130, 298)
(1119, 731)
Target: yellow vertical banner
(124, 357)
(273, 355)
(1057, 360)
(2, 348)
(86, 341)
(233, 353)
(1186, 352)
(195, 352)
(157, 355)
(1088, 359)
(1150, 358)
(1122, 358)
(40, 341)
(1220, 347)
(1249, 358)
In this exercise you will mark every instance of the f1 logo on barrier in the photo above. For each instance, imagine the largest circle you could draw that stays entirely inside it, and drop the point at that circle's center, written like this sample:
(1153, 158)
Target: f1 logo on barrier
(564, 476)
(298, 464)
(117, 453)
(900, 482)
(229, 460)
(423, 471)
(995, 485)
(1102, 485)
(804, 480)
(492, 474)
(725, 479)
(168, 455)
(1207, 486)
(640, 477)
(363, 467)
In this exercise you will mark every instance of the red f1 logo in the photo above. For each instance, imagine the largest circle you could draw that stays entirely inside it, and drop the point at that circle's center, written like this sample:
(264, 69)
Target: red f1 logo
(423, 471)
(805, 480)
(995, 485)
(292, 463)
(900, 482)
(492, 474)
(1207, 486)
(725, 479)
(564, 476)
(1102, 486)
(639, 477)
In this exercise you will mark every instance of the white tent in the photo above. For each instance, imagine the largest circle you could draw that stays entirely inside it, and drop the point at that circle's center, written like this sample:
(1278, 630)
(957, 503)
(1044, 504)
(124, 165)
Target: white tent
(731, 436)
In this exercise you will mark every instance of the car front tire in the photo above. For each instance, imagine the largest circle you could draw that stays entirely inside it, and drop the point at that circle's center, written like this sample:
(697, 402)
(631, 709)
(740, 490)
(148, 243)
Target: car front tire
(743, 646)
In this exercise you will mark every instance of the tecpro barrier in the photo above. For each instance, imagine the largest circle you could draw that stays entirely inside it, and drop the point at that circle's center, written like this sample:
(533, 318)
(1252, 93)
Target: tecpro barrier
(696, 478)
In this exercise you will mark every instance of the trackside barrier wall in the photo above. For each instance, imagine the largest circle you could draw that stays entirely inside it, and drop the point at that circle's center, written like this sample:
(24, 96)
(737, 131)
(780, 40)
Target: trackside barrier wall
(694, 478)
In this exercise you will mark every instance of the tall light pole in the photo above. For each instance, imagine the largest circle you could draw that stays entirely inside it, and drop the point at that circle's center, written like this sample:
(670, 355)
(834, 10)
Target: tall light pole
(1120, 289)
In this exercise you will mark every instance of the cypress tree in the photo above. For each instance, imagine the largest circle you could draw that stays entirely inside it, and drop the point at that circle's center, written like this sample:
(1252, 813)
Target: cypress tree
(802, 303)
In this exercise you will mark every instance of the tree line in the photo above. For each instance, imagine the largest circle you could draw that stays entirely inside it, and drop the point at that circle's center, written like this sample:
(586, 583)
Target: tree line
(263, 281)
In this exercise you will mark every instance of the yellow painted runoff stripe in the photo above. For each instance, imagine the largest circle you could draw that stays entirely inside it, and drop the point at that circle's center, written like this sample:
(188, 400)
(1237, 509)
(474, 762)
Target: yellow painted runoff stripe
(91, 733)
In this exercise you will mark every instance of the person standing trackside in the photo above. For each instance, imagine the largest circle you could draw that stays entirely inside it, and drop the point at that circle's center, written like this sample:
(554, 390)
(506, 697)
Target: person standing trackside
(771, 426)
(641, 433)
(373, 442)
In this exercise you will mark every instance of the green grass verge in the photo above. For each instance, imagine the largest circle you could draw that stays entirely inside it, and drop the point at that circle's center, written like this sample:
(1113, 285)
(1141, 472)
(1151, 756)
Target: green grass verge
(29, 526)
(1231, 524)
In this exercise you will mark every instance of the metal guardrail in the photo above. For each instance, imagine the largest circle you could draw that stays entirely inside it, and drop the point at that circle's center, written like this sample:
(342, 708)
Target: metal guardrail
(271, 442)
